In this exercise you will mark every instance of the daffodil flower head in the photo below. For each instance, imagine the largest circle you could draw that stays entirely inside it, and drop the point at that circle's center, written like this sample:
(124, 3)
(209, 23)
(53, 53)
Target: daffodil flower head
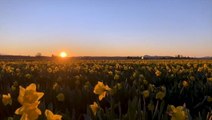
(151, 106)
(205, 66)
(60, 97)
(10, 118)
(110, 73)
(29, 111)
(13, 88)
(209, 99)
(101, 90)
(178, 113)
(6, 99)
(160, 95)
(158, 73)
(185, 83)
(94, 107)
(28, 76)
(29, 95)
(209, 79)
(146, 93)
(116, 77)
(49, 70)
(50, 116)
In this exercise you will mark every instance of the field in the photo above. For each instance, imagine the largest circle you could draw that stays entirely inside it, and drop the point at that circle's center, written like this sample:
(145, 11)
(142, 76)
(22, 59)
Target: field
(106, 90)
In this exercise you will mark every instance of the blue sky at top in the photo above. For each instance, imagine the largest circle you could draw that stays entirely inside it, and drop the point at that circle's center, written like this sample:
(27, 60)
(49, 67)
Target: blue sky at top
(106, 27)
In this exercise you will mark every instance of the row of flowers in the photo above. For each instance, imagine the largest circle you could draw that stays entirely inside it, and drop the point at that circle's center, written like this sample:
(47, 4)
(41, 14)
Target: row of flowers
(29, 99)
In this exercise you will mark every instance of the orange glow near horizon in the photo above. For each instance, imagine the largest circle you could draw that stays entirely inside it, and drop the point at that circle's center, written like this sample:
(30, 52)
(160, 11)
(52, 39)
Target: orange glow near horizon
(63, 54)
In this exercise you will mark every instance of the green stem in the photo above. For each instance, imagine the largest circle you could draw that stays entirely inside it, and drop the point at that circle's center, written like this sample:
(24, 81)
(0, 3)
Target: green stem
(119, 111)
(156, 108)
(144, 107)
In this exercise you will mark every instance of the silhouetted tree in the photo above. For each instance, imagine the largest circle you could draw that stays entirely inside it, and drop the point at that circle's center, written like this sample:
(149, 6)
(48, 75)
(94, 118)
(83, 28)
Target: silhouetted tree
(38, 54)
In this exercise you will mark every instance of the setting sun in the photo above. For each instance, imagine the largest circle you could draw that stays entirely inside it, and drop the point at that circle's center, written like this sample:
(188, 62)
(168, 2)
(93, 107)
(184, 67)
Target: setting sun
(63, 54)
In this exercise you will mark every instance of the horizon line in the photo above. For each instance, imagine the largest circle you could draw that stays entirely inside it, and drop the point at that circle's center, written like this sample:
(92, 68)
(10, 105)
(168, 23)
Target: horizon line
(105, 55)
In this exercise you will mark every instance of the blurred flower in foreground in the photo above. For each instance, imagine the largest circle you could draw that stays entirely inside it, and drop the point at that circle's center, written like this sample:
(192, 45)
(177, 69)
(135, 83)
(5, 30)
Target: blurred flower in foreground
(28, 98)
(50, 116)
(29, 111)
(101, 90)
(6, 99)
(94, 107)
(29, 95)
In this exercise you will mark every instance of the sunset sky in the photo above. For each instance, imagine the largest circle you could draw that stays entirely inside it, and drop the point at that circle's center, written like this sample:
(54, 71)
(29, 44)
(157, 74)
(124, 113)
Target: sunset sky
(106, 27)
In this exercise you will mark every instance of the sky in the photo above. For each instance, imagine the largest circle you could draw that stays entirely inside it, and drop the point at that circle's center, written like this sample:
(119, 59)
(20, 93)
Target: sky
(106, 27)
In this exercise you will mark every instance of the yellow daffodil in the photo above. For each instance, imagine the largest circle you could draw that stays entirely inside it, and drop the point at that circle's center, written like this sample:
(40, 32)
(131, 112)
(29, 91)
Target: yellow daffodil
(192, 78)
(94, 107)
(50, 116)
(29, 95)
(28, 98)
(185, 84)
(158, 73)
(209, 99)
(13, 88)
(49, 70)
(6, 99)
(60, 97)
(10, 118)
(116, 77)
(178, 113)
(200, 69)
(101, 90)
(15, 83)
(160, 95)
(28, 76)
(146, 93)
(29, 111)
(110, 73)
(209, 79)
(150, 106)
(205, 65)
